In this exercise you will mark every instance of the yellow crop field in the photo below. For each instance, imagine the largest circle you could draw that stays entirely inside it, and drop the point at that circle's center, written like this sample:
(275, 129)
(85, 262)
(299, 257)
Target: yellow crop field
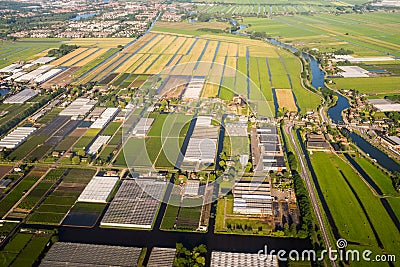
(137, 63)
(80, 56)
(233, 49)
(174, 61)
(128, 63)
(285, 99)
(68, 56)
(139, 43)
(142, 68)
(152, 43)
(242, 50)
(223, 49)
(197, 49)
(159, 65)
(210, 90)
(91, 57)
(231, 69)
(174, 47)
(99, 42)
(263, 51)
(186, 46)
(210, 51)
(162, 45)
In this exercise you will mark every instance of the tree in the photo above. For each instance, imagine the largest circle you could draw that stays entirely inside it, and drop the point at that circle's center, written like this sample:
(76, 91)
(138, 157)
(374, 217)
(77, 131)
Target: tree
(81, 152)
(76, 160)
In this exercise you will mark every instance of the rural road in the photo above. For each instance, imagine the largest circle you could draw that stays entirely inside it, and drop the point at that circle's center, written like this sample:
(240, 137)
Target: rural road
(306, 177)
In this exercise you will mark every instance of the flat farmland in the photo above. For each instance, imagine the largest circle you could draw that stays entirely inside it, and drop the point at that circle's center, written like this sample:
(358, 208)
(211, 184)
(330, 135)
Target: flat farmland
(25, 49)
(341, 184)
(56, 204)
(69, 56)
(99, 42)
(81, 56)
(371, 85)
(285, 99)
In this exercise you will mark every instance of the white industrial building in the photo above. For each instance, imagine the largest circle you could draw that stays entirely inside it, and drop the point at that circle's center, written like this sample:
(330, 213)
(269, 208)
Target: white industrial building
(193, 89)
(353, 72)
(252, 197)
(192, 187)
(97, 144)
(79, 107)
(10, 68)
(16, 137)
(15, 75)
(48, 75)
(202, 146)
(105, 117)
(43, 60)
(98, 189)
(143, 127)
(34, 74)
(21, 97)
(236, 259)
(384, 105)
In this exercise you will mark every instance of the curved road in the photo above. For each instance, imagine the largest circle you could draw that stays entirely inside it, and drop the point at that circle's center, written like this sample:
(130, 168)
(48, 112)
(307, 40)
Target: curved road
(306, 177)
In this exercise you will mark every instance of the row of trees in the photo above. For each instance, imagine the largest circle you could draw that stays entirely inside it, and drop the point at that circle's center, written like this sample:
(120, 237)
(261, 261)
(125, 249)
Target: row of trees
(62, 51)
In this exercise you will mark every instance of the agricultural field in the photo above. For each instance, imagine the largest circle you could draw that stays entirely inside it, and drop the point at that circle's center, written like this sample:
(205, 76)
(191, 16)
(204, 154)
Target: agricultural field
(371, 85)
(228, 222)
(341, 185)
(370, 34)
(183, 214)
(171, 44)
(25, 49)
(285, 99)
(20, 189)
(55, 206)
(25, 248)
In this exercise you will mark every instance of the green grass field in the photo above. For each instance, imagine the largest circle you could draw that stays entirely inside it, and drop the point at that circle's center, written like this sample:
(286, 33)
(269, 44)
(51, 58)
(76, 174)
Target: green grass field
(371, 85)
(352, 222)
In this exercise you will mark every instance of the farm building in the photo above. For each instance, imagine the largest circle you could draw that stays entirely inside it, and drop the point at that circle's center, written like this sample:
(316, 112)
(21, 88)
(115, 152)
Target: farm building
(43, 60)
(142, 127)
(222, 259)
(15, 75)
(21, 97)
(34, 74)
(353, 72)
(105, 117)
(48, 75)
(78, 254)
(161, 257)
(384, 105)
(252, 197)
(98, 189)
(97, 144)
(16, 137)
(192, 187)
(202, 147)
(79, 107)
(193, 89)
(317, 142)
(10, 68)
(135, 205)
(270, 149)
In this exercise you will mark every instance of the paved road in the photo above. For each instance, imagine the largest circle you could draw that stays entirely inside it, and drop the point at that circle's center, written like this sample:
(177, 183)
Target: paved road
(306, 177)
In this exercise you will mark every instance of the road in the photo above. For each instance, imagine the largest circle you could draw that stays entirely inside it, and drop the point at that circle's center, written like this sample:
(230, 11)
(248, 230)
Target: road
(314, 200)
